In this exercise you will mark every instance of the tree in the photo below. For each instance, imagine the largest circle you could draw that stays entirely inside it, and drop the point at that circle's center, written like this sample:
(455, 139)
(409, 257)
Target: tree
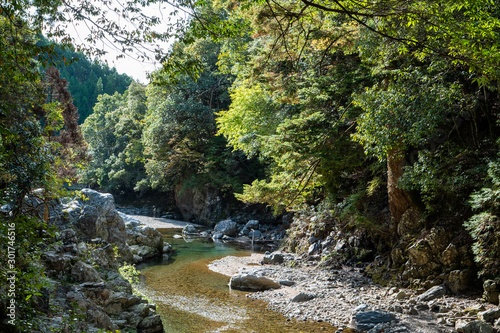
(73, 149)
(113, 132)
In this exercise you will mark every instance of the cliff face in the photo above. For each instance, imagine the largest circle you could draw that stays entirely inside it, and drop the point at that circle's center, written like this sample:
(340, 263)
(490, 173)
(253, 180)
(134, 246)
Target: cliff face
(87, 291)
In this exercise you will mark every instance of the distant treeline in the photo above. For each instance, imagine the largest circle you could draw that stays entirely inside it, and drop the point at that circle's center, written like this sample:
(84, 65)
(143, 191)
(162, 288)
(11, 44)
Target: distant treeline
(87, 78)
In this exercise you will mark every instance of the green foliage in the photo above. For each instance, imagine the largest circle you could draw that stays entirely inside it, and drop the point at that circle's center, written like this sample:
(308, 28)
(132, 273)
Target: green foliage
(88, 79)
(130, 273)
(403, 113)
(448, 174)
(251, 118)
(180, 128)
(114, 133)
(484, 227)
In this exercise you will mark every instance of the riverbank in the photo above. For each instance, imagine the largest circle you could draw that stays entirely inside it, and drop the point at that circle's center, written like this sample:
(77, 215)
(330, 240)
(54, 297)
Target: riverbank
(342, 295)
(156, 222)
(338, 296)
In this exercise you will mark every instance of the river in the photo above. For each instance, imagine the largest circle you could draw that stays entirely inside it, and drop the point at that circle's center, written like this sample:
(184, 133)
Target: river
(191, 298)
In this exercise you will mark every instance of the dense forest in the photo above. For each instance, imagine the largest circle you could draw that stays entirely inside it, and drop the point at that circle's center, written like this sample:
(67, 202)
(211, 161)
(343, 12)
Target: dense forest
(369, 120)
(86, 79)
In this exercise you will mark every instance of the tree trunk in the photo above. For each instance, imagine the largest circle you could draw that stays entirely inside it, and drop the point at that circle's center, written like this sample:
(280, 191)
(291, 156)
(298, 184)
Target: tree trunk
(399, 200)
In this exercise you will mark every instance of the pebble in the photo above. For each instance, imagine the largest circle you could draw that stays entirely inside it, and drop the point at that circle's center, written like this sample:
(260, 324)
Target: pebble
(338, 298)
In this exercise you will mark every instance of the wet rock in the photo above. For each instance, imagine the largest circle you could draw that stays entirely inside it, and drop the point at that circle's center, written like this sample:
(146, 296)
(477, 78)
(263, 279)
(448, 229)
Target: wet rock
(143, 252)
(432, 293)
(217, 235)
(167, 248)
(367, 320)
(255, 234)
(189, 230)
(476, 326)
(227, 227)
(150, 324)
(303, 297)
(244, 281)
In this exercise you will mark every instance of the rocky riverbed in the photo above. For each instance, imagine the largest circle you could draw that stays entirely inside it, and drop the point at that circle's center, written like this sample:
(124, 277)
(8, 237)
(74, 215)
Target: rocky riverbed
(345, 298)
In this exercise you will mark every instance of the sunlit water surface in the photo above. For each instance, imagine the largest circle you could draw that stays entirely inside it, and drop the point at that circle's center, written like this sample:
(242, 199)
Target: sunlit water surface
(191, 298)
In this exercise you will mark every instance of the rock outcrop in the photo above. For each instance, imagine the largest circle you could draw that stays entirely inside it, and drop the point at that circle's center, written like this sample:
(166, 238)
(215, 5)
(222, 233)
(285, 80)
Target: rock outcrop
(83, 268)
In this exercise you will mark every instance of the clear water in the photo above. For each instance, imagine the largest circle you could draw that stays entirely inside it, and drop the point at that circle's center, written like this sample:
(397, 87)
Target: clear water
(191, 298)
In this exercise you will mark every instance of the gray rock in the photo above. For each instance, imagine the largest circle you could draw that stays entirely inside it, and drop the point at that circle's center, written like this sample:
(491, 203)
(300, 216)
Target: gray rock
(151, 324)
(273, 258)
(167, 248)
(227, 227)
(245, 281)
(340, 245)
(217, 235)
(244, 232)
(359, 308)
(476, 326)
(489, 315)
(141, 309)
(58, 262)
(314, 248)
(491, 291)
(189, 230)
(83, 272)
(143, 252)
(286, 283)
(255, 234)
(101, 319)
(432, 293)
(118, 301)
(369, 319)
(401, 295)
(459, 280)
(252, 224)
(303, 297)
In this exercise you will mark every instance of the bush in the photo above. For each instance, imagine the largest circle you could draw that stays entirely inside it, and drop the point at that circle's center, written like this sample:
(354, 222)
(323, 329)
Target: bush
(484, 227)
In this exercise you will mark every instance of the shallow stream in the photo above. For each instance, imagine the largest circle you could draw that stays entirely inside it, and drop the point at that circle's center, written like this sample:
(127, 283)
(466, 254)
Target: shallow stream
(191, 298)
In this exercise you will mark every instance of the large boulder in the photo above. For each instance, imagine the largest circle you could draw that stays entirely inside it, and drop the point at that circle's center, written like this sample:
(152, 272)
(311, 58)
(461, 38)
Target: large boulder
(245, 281)
(227, 227)
(99, 218)
(93, 216)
